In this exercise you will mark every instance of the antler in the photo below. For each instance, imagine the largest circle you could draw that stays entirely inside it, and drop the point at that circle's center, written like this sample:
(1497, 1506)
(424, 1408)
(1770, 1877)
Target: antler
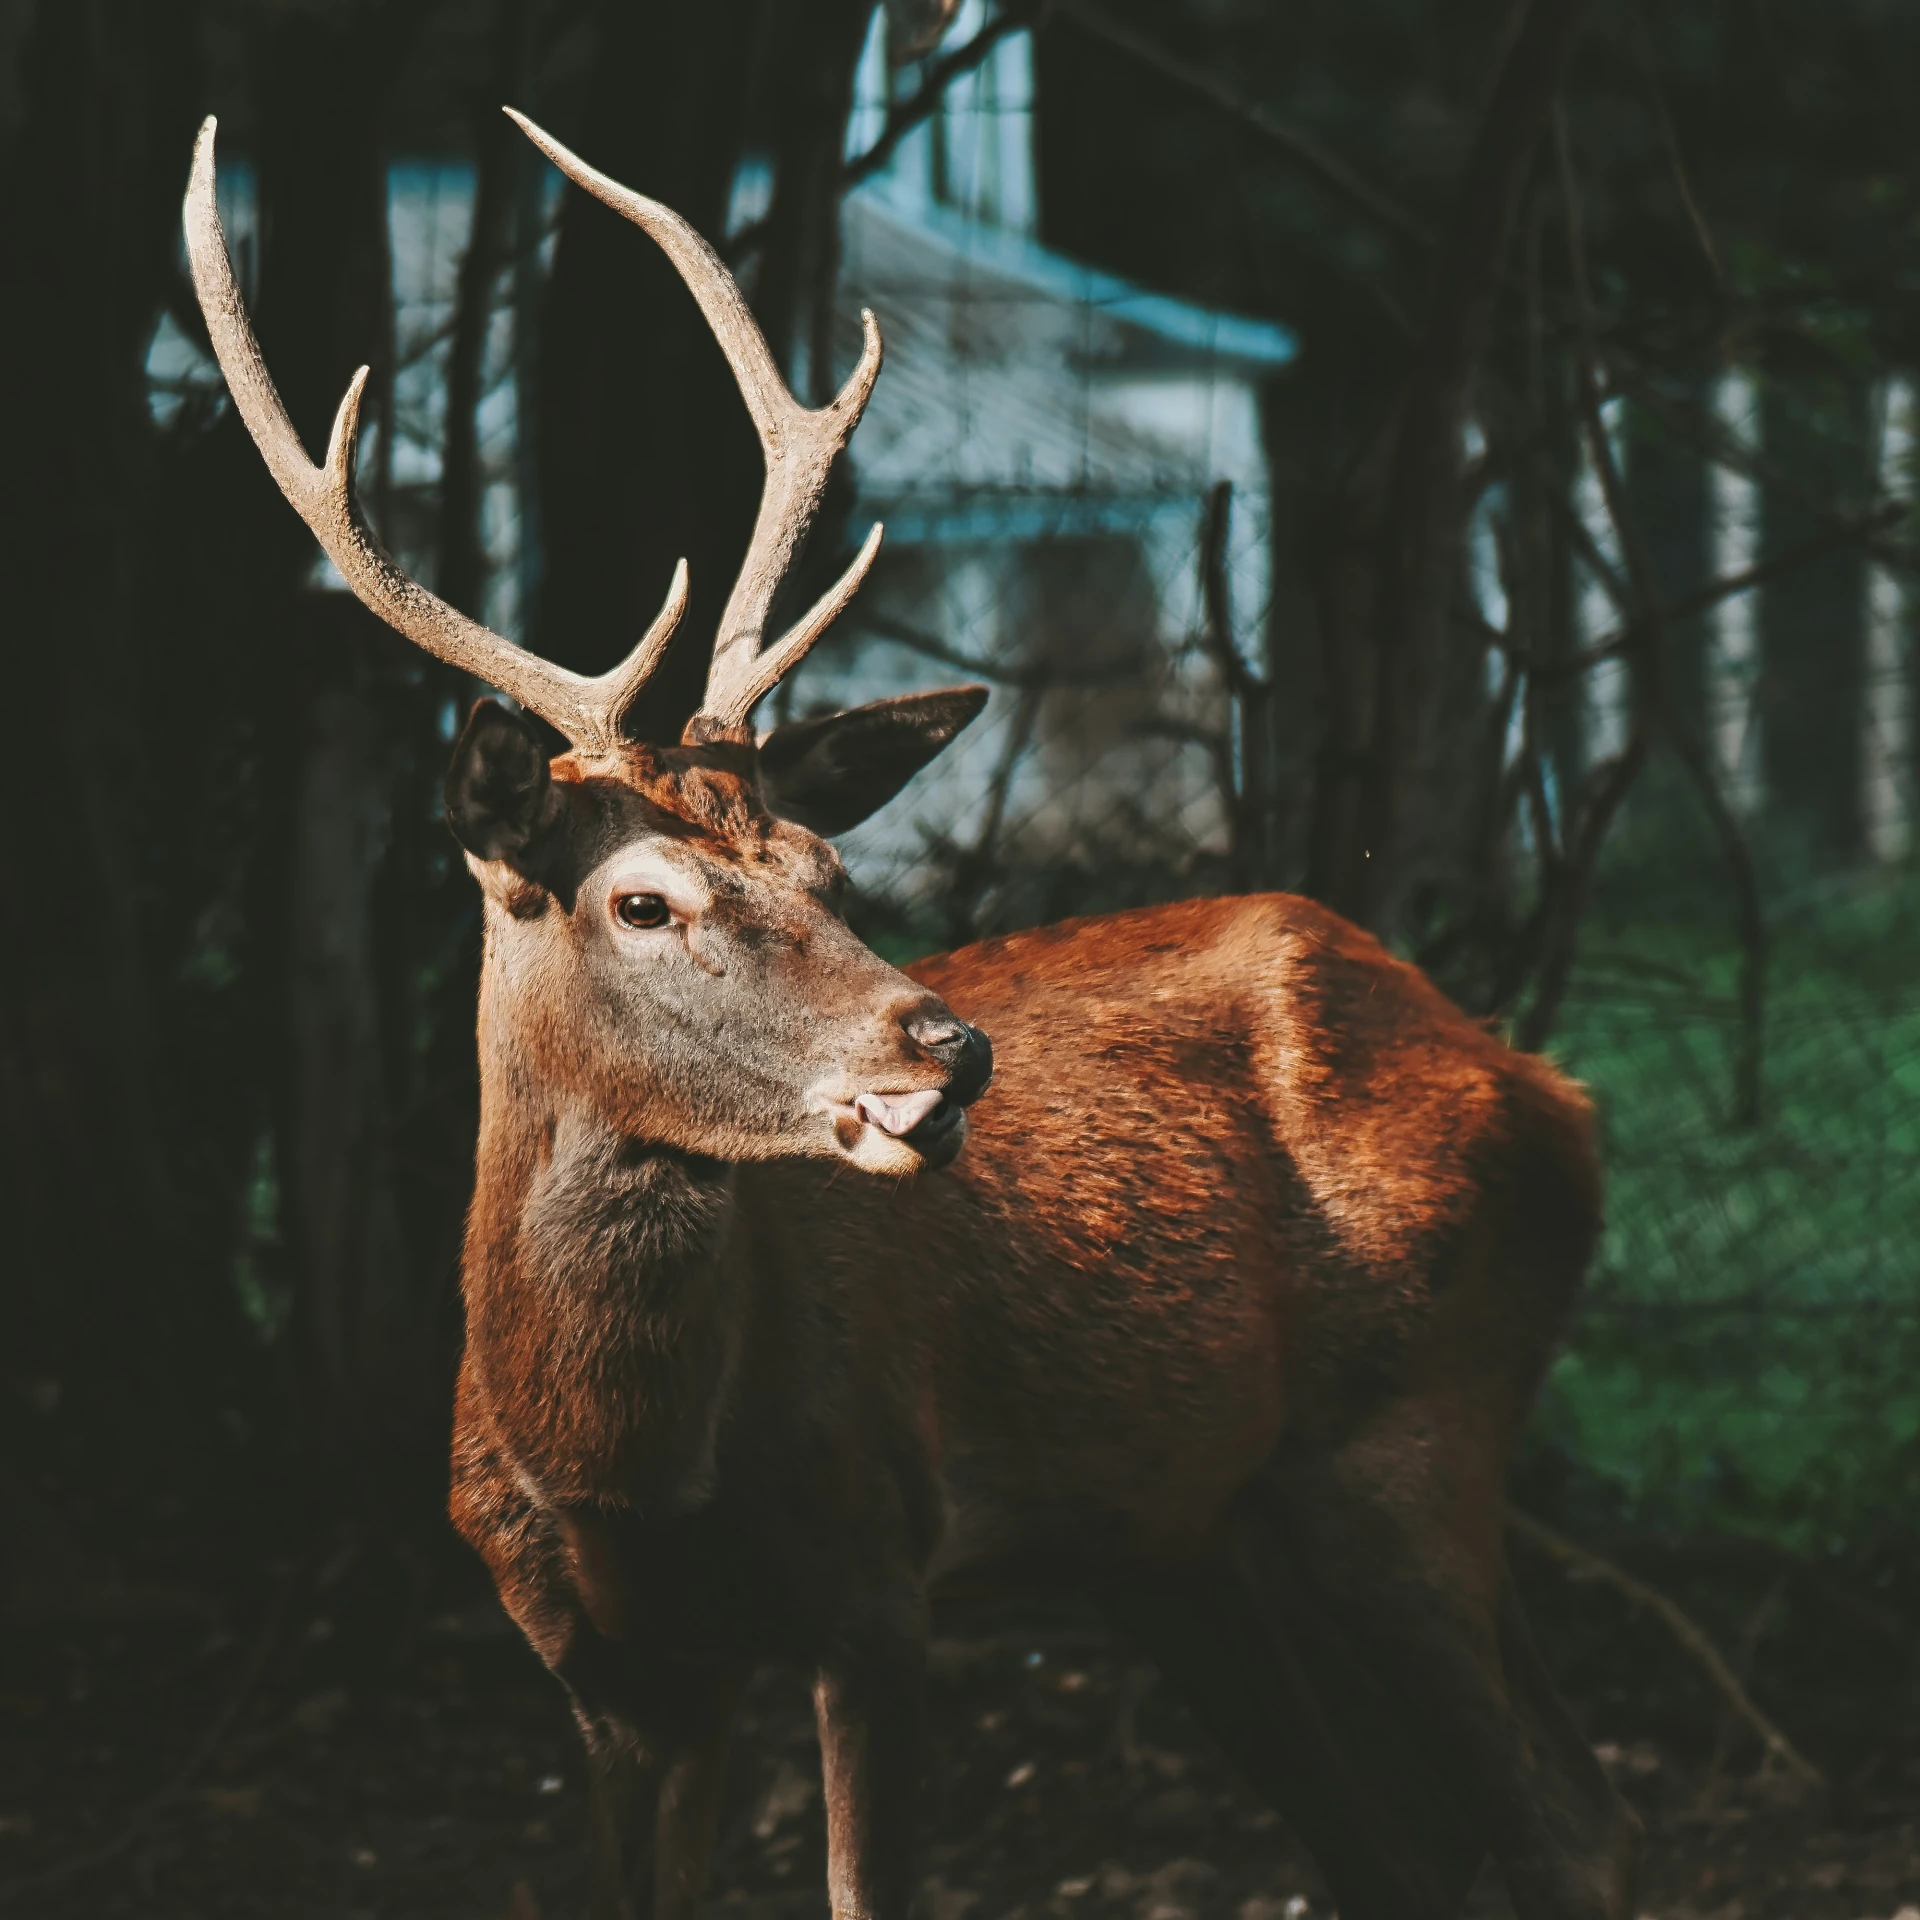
(799, 444)
(589, 712)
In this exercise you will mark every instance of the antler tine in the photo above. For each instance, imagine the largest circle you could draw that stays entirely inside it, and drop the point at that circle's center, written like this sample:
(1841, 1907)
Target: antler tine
(589, 712)
(799, 444)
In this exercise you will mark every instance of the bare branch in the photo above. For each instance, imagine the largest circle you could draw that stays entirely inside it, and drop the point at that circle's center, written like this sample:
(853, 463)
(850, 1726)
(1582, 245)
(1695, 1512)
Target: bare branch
(1422, 522)
(883, 627)
(1711, 592)
(1586, 1564)
(1647, 659)
(1249, 695)
(1669, 139)
(975, 863)
(925, 98)
(1647, 650)
(1749, 915)
(1302, 149)
(906, 114)
(462, 567)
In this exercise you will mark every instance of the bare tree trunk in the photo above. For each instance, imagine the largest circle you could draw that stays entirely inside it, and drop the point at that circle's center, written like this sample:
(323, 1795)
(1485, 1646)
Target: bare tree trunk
(800, 257)
(361, 1304)
(462, 570)
(87, 1181)
(646, 453)
(1380, 830)
(357, 1300)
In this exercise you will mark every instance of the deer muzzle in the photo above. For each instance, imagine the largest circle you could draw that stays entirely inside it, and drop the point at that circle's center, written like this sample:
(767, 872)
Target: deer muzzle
(900, 1129)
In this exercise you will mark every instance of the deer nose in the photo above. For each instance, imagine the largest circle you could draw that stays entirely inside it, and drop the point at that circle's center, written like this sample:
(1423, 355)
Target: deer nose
(964, 1051)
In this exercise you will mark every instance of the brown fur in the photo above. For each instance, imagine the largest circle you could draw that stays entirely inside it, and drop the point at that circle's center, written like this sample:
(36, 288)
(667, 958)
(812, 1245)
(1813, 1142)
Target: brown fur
(1255, 1257)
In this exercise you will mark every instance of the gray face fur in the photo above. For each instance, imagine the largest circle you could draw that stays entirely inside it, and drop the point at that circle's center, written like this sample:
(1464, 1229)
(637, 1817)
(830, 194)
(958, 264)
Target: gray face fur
(668, 949)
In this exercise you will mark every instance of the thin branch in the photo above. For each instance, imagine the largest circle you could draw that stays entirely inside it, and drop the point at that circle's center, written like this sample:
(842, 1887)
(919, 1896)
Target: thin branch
(901, 634)
(1308, 154)
(1697, 427)
(925, 98)
(1586, 1564)
(1750, 922)
(1724, 587)
(1216, 632)
(1534, 494)
(977, 861)
(1669, 140)
(1756, 1629)
(905, 115)
(1654, 705)
(1422, 521)
(1249, 695)
(462, 555)
(1647, 658)
(1217, 746)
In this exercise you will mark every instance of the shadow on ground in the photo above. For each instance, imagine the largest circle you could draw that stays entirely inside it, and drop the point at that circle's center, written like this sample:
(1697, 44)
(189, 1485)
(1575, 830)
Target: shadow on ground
(270, 1747)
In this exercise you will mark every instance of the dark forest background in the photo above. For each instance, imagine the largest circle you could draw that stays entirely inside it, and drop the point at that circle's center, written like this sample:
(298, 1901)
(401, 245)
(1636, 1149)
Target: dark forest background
(237, 953)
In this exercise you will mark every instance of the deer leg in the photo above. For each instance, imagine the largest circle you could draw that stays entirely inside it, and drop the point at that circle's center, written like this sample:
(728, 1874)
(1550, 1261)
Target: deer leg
(1276, 1681)
(1400, 1530)
(688, 1812)
(1574, 1761)
(623, 1768)
(869, 1703)
(622, 1786)
(656, 1738)
(655, 1731)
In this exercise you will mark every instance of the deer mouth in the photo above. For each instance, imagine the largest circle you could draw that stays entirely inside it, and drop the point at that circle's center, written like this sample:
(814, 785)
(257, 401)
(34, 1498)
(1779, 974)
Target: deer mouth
(899, 1114)
(941, 1134)
(899, 1133)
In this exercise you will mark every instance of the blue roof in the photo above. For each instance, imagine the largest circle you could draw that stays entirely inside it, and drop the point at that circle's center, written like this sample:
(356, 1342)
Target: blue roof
(1019, 257)
(987, 516)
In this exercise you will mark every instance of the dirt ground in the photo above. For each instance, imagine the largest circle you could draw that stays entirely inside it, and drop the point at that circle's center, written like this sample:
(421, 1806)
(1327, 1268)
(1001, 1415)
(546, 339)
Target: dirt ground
(261, 1745)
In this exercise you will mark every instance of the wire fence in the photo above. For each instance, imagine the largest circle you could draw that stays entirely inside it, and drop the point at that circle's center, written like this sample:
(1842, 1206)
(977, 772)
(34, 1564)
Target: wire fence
(1101, 773)
(1747, 1354)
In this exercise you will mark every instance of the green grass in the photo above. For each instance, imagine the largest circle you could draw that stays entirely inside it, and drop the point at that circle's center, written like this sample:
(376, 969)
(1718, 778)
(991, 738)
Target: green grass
(1750, 1354)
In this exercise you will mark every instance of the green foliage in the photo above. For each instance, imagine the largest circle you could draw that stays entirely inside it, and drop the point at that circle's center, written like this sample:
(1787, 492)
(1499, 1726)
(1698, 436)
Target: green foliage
(1749, 1357)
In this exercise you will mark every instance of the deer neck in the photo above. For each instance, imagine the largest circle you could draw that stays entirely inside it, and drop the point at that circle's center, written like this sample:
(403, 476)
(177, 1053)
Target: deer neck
(604, 1319)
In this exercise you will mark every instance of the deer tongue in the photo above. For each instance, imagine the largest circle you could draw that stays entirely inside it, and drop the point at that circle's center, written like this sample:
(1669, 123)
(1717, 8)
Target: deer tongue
(896, 1113)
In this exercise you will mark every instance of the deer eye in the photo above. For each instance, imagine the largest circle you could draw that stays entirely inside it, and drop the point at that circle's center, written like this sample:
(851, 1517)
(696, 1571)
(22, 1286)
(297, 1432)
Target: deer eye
(642, 911)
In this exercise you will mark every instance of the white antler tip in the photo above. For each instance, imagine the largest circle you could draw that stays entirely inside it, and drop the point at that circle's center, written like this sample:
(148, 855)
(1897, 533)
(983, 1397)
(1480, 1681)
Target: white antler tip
(852, 398)
(346, 430)
(200, 175)
(542, 139)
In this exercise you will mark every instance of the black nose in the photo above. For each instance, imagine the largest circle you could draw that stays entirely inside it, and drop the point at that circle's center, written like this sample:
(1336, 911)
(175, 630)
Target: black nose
(964, 1051)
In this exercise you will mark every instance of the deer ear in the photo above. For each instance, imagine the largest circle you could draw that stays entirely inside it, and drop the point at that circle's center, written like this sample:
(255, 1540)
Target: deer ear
(835, 771)
(499, 794)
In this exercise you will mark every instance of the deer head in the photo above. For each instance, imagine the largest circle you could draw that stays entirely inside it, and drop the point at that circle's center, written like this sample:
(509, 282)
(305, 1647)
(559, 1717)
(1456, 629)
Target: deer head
(664, 942)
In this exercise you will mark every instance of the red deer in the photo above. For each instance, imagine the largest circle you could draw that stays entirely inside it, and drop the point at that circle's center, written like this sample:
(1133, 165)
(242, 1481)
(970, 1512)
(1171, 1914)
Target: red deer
(1229, 1312)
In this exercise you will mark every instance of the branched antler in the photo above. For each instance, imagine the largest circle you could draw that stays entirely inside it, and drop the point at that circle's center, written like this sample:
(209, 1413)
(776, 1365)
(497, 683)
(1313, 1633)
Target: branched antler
(800, 445)
(589, 712)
